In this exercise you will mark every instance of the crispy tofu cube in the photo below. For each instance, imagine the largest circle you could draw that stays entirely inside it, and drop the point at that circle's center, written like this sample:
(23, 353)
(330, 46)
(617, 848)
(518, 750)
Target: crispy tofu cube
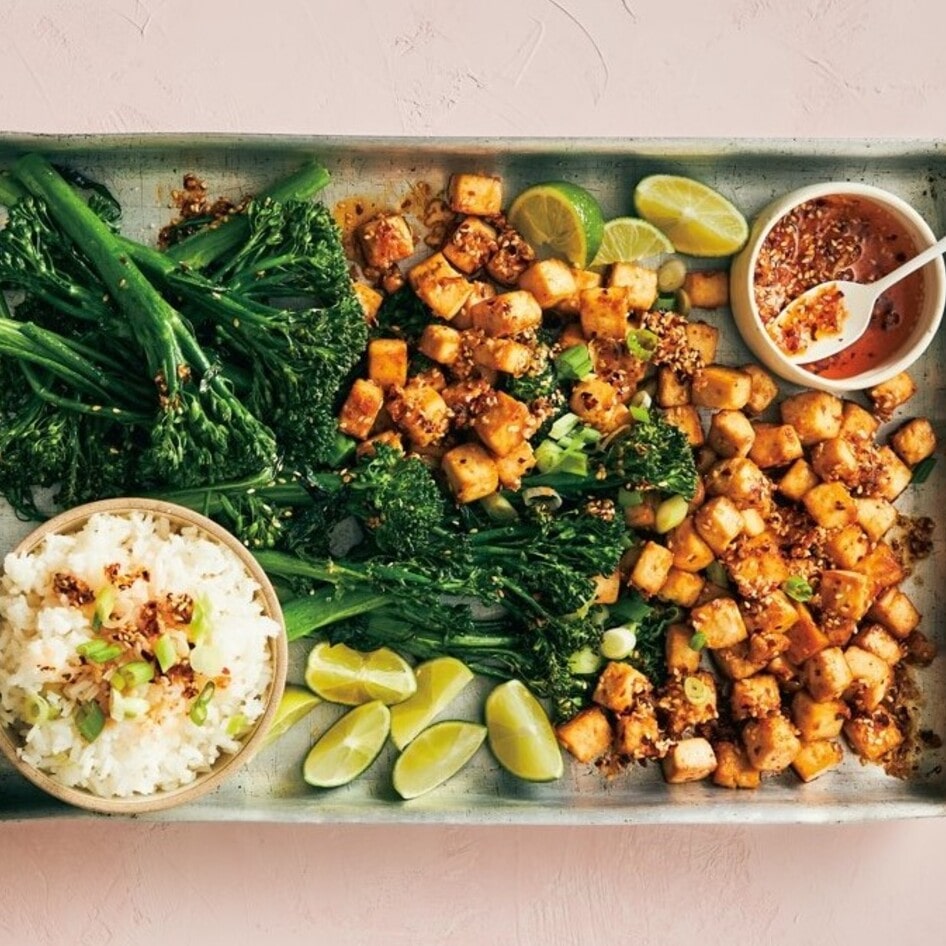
(721, 388)
(815, 415)
(764, 389)
(550, 281)
(707, 288)
(875, 516)
(420, 412)
(877, 640)
(442, 288)
(830, 505)
(619, 687)
(386, 239)
(797, 480)
(509, 313)
(816, 758)
(637, 733)
(470, 245)
(516, 464)
(890, 395)
(587, 736)
(914, 441)
(816, 721)
(511, 260)
(504, 425)
(839, 631)
(783, 670)
(689, 761)
(718, 522)
(896, 612)
(690, 552)
(858, 425)
(835, 459)
(774, 613)
(688, 702)
(681, 658)
(765, 645)
(759, 568)
(607, 588)
(652, 567)
(720, 621)
(733, 769)
(827, 674)
(704, 339)
(681, 587)
(881, 566)
(644, 514)
(598, 404)
(440, 343)
(775, 445)
(873, 736)
(638, 282)
(584, 279)
(686, 419)
(734, 662)
(845, 594)
(671, 391)
(387, 361)
(390, 438)
(872, 678)
(730, 434)
(504, 354)
(369, 298)
(603, 313)
(361, 409)
(741, 480)
(479, 194)
(753, 522)
(847, 546)
(805, 638)
(771, 743)
(755, 697)
(894, 476)
(479, 290)
(470, 471)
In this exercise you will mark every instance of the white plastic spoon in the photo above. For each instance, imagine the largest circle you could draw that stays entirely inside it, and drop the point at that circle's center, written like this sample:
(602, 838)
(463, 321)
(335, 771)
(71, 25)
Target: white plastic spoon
(849, 306)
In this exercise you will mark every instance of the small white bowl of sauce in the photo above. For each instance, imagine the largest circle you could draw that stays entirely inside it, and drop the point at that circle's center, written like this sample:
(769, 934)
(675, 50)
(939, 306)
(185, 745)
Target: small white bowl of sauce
(839, 230)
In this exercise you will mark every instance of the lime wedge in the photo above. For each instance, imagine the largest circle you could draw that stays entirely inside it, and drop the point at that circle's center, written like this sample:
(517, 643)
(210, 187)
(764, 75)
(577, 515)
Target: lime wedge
(559, 219)
(520, 734)
(339, 674)
(698, 220)
(627, 239)
(346, 749)
(439, 681)
(296, 702)
(437, 754)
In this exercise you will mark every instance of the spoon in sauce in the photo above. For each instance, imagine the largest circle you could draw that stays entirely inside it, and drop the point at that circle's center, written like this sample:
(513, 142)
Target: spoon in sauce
(833, 315)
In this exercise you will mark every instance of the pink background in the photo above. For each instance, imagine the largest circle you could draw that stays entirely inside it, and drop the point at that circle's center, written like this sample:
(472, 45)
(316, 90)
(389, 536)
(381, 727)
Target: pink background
(828, 68)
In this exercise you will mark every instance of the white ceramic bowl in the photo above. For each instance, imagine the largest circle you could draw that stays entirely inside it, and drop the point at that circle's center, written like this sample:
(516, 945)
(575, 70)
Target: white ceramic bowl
(746, 313)
(226, 764)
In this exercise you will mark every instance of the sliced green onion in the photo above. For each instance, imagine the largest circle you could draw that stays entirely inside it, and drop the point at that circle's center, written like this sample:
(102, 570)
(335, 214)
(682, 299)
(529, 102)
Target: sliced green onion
(198, 711)
(584, 662)
(922, 470)
(618, 642)
(631, 609)
(98, 651)
(587, 435)
(640, 414)
(642, 343)
(670, 513)
(90, 720)
(127, 707)
(36, 709)
(666, 302)
(200, 620)
(642, 399)
(104, 602)
(237, 725)
(716, 573)
(547, 456)
(563, 426)
(137, 672)
(165, 652)
(542, 495)
(798, 588)
(341, 451)
(671, 274)
(574, 364)
(683, 305)
(698, 641)
(498, 508)
(628, 498)
(696, 691)
(574, 462)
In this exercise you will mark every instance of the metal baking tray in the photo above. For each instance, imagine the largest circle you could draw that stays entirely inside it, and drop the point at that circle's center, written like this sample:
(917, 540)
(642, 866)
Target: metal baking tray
(143, 170)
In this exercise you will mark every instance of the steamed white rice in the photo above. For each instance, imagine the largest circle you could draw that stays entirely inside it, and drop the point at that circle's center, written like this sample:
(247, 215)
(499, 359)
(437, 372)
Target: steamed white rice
(155, 745)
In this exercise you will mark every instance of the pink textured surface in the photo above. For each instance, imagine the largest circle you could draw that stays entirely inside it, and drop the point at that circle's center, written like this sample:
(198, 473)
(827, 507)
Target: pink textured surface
(424, 67)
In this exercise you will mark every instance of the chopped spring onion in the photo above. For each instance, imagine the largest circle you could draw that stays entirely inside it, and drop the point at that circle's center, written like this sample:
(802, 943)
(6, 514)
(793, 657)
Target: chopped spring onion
(542, 495)
(665, 302)
(628, 498)
(922, 470)
(563, 426)
(640, 414)
(547, 456)
(584, 662)
(127, 707)
(798, 588)
(165, 652)
(618, 643)
(237, 725)
(683, 304)
(574, 364)
(698, 641)
(696, 691)
(573, 461)
(104, 602)
(670, 275)
(670, 513)
(200, 620)
(498, 508)
(642, 343)
(133, 674)
(36, 709)
(98, 651)
(643, 399)
(716, 573)
(342, 449)
(90, 720)
(198, 712)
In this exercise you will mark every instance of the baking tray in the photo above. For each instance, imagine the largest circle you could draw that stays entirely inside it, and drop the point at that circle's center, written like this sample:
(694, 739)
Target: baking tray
(142, 170)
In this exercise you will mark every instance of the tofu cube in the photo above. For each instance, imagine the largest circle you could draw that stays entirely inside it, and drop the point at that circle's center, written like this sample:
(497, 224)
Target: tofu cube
(847, 546)
(671, 391)
(386, 239)
(877, 640)
(504, 354)
(420, 412)
(775, 445)
(479, 194)
(816, 721)
(771, 743)
(470, 245)
(896, 612)
(708, 288)
(703, 338)
(774, 613)
(815, 415)
(872, 678)
(881, 566)
(830, 505)
(504, 425)
(753, 522)
(511, 260)
(442, 288)
(587, 736)
(598, 404)
(470, 471)
(369, 298)
(390, 438)
(734, 662)
(651, 569)
(827, 674)
(844, 594)
(516, 464)
(755, 697)
(690, 760)
(730, 434)
(718, 522)
(479, 290)
(759, 568)
(894, 476)
(835, 459)
(816, 758)
(638, 282)
(733, 769)
(681, 587)
(637, 734)
(361, 409)
(690, 552)
(914, 441)
(584, 279)
(741, 480)
(550, 281)
(603, 313)
(607, 588)
(797, 480)
(440, 343)
(509, 313)
(687, 420)
(764, 389)
(720, 621)
(619, 687)
(875, 516)
(858, 425)
(721, 388)
(873, 736)
(805, 638)
(890, 395)
(387, 362)
(681, 658)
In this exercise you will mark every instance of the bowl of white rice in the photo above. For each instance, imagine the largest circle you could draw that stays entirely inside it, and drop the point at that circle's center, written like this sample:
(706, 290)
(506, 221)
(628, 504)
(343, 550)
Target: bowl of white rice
(142, 656)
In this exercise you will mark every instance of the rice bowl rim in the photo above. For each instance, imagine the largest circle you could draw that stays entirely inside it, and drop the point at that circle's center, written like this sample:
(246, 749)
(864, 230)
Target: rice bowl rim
(73, 520)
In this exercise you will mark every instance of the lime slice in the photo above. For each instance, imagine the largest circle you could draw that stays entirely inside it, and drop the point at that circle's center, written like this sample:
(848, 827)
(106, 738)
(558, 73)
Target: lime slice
(698, 220)
(296, 702)
(439, 681)
(627, 239)
(559, 219)
(346, 749)
(437, 754)
(520, 734)
(340, 674)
